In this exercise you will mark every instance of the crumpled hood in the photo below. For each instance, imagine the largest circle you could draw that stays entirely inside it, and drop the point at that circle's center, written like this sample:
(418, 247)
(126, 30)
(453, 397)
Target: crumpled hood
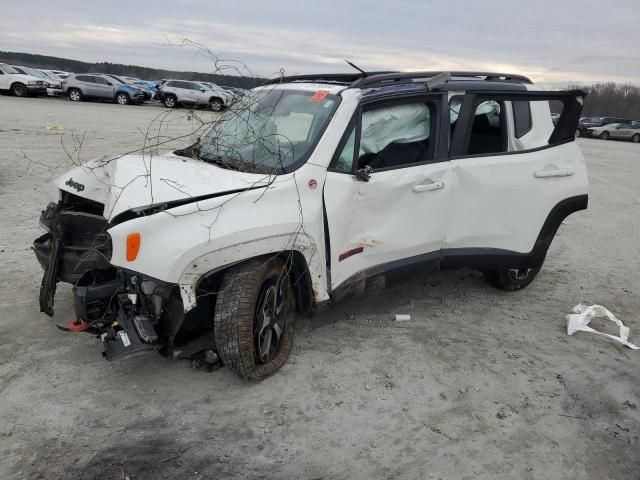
(138, 182)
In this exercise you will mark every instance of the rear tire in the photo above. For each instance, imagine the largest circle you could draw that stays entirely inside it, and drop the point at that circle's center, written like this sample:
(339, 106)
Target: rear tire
(123, 99)
(74, 95)
(254, 318)
(604, 135)
(578, 133)
(512, 279)
(636, 138)
(18, 90)
(170, 101)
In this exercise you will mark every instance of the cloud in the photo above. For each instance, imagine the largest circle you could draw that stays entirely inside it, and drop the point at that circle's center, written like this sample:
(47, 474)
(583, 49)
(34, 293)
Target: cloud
(569, 41)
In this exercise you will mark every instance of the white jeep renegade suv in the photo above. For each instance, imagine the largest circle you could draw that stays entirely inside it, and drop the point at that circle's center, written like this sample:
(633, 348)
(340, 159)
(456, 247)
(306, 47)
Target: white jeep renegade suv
(307, 189)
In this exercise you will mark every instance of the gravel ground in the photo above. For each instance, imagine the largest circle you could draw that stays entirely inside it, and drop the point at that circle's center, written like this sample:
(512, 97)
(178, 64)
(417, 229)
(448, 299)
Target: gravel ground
(480, 384)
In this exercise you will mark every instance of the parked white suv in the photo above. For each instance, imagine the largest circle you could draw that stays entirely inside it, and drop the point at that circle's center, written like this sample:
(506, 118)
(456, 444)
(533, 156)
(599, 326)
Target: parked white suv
(181, 92)
(19, 84)
(307, 189)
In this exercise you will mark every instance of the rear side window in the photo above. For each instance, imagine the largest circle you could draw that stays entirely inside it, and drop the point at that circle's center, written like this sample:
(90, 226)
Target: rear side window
(521, 118)
(85, 78)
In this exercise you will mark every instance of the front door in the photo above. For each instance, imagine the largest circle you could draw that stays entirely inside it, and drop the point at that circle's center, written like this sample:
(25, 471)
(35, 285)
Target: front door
(397, 217)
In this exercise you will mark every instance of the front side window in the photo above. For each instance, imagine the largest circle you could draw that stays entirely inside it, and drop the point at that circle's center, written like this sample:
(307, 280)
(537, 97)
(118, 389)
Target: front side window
(101, 81)
(390, 137)
(270, 130)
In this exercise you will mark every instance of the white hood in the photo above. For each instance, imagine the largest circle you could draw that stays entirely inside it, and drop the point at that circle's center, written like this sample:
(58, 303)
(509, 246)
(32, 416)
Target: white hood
(138, 182)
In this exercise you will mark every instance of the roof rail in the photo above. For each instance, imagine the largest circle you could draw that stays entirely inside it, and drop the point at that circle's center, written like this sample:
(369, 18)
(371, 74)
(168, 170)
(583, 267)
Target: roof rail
(359, 80)
(399, 77)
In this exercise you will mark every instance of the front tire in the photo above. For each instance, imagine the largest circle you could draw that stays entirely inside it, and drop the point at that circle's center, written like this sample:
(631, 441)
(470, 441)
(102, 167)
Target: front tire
(75, 95)
(636, 138)
(604, 135)
(170, 101)
(123, 99)
(578, 133)
(254, 318)
(18, 90)
(216, 104)
(512, 279)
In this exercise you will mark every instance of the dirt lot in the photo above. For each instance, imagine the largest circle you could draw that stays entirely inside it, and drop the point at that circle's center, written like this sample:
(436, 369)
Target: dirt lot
(480, 384)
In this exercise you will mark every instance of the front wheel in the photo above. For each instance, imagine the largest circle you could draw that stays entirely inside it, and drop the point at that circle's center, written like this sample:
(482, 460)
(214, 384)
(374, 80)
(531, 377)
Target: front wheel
(636, 138)
(254, 318)
(75, 95)
(216, 104)
(604, 135)
(18, 90)
(122, 99)
(578, 133)
(512, 279)
(170, 101)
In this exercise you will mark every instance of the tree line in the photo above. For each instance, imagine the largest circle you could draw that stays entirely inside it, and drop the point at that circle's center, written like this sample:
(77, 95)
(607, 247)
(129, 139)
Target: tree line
(146, 73)
(612, 100)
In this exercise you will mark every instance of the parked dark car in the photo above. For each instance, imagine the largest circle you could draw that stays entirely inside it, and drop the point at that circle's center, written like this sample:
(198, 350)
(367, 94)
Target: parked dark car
(594, 122)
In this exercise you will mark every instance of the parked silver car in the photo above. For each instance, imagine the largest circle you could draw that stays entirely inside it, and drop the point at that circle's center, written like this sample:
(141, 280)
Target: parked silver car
(96, 86)
(617, 131)
(181, 92)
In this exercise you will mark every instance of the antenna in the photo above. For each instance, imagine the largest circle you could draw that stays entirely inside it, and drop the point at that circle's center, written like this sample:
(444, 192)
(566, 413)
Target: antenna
(356, 67)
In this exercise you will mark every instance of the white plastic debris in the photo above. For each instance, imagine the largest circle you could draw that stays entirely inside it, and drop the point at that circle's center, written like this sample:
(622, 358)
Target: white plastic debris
(581, 315)
(402, 317)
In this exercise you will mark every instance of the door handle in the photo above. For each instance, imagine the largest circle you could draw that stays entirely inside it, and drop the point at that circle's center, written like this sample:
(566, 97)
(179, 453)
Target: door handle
(560, 172)
(428, 187)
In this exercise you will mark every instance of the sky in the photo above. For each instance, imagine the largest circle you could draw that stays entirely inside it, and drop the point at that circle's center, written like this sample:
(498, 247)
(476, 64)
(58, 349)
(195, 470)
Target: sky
(552, 41)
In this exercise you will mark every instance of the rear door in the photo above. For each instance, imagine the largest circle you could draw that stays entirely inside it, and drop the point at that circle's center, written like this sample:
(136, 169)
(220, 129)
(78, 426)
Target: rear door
(388, 189)
(511, 167)
(87, 85)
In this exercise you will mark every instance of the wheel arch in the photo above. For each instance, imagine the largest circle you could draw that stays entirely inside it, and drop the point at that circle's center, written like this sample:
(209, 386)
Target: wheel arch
(16, 82)
(193, 287)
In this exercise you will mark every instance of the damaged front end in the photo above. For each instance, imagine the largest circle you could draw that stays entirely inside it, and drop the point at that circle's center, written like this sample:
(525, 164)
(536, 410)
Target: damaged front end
(129, 312)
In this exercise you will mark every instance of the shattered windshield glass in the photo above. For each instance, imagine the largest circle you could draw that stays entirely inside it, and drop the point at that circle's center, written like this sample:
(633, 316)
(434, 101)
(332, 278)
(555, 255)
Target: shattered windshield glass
(269, 131)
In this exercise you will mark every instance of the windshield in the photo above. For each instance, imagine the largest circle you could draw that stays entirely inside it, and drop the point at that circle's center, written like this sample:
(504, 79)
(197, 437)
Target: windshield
(115, 78)
(269, 131)
(7, 69)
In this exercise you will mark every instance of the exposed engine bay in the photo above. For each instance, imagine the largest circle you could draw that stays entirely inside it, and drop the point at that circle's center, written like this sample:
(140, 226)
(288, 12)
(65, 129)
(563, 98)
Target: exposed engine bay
(129, 313)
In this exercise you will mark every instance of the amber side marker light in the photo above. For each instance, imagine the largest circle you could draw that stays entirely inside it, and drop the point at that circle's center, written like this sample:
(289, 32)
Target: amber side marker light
(133, 246)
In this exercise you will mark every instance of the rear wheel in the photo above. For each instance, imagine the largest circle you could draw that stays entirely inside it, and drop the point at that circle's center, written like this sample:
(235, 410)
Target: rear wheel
(170, 101)
(512, 279)
(18, 90)
(254, 318)
(604, 135)
(636, 138)
(122, 99)
(75, 95)
(578, 133)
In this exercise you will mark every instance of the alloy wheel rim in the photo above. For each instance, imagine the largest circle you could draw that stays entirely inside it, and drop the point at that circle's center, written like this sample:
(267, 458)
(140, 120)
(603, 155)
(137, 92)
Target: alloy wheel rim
(519, 273)
(270, 320)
